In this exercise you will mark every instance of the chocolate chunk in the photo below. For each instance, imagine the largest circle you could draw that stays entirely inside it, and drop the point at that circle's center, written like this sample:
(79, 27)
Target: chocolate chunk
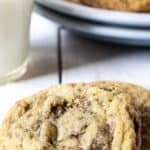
(59, 110)
(96, 145)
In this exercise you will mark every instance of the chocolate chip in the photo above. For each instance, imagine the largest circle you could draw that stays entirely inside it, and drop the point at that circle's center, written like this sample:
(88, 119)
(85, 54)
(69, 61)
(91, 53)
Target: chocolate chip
(87, 103)
(106, 89)
(104, 130)
(59, 110)
(137, 126)
(79, 132)
(96, 145)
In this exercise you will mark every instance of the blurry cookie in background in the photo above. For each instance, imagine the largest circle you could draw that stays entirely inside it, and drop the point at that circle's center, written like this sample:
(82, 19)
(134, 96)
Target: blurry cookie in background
(122, 5)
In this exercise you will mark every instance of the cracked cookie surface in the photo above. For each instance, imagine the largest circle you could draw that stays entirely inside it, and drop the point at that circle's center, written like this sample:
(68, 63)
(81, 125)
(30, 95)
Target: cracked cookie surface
(140, 98)
(73, 117)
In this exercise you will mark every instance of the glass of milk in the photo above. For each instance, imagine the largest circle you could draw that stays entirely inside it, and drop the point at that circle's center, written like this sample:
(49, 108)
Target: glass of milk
(14, 38)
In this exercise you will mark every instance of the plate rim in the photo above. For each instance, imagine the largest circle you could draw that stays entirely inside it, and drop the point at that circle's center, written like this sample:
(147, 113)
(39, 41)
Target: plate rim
(98, 30)
(105, 16)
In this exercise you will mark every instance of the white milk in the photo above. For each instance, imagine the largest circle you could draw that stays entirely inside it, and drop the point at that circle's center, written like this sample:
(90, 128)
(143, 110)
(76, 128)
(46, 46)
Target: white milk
(14, 34)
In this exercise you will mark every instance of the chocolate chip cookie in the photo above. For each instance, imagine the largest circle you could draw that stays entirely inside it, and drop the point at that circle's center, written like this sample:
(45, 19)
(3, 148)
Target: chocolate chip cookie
(73, 117)
(123, 5)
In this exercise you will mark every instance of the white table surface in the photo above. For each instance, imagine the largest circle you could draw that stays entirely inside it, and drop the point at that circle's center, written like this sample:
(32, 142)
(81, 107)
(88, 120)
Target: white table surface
(83, 60)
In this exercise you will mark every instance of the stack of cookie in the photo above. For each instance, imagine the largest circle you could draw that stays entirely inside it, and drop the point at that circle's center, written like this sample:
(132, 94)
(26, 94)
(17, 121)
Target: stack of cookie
(93, 116)
(123, 5)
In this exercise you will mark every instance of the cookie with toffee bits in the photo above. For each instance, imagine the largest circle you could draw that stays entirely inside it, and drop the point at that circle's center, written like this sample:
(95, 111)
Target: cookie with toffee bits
(72, 117)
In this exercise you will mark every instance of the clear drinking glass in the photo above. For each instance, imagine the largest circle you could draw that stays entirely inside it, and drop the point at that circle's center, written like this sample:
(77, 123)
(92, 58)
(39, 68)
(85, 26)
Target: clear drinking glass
(14, 38)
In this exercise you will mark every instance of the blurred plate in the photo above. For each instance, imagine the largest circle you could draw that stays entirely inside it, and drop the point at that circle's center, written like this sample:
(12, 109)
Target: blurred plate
(99, 31)
(98, 15)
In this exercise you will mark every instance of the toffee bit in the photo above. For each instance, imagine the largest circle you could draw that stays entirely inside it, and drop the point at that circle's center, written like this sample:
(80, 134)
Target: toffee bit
(48, 132)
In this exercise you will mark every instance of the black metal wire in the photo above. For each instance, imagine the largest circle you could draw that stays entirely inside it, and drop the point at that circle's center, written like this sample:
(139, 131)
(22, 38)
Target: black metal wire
(59, 55)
